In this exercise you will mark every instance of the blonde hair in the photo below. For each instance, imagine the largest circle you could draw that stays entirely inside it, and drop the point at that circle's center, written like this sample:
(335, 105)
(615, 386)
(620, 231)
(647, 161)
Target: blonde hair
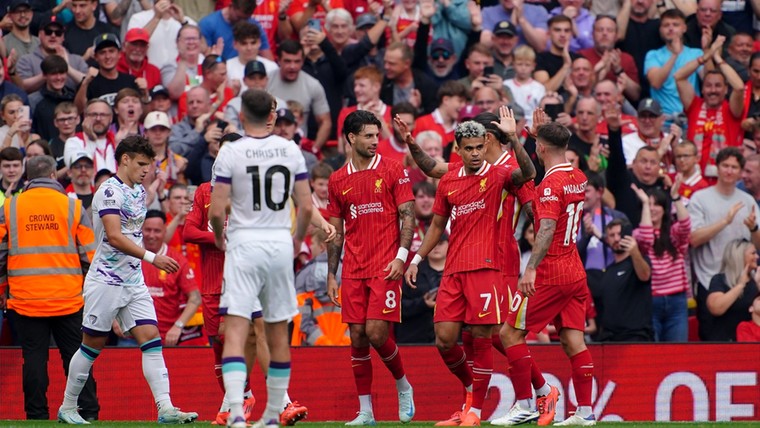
(524, 52)
(732, 264)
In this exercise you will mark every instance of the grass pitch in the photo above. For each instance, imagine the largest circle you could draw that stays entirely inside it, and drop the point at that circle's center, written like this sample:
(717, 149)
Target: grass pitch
(43, 424)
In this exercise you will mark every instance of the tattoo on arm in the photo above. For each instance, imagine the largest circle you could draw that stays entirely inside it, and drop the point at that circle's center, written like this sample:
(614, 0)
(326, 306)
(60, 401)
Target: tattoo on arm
(528, 210)
(406, 214)
(334, 249)
(543, 241)
(428, 165)
(527, 170)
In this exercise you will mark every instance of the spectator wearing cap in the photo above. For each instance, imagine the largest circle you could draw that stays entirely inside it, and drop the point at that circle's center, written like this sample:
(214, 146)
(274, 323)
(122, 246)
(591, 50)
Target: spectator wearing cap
(215, 82)
(452, 97)
(157, 130)
(583, 23)
(44, 101)
(81, 173)
(218, 25)
(370, 27)
(611, 63)
(255, 77)
(85, 28)
(553, 65)
(106, 81)
(66, 120)
(529, 20)
(477, 61)
(28, 67)
(134, 59)
(650, 123)
(503, 42)
(160, 101)
(163, 22)
(324, 63)
(285, 126)
(20, 38)
(440, 65)
(526, 92)
(292, 83)
(247, 41)
(402, 82)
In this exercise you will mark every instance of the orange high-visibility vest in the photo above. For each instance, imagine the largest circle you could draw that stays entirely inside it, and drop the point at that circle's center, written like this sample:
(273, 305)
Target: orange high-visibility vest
(45, 240)
(331, 330)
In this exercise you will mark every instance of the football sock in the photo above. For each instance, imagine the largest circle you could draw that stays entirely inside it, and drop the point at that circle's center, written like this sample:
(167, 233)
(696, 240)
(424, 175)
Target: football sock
(475, 410)
(544, 390)
(467, 346)
(217, 347)
(496, 341)
(154, 370)
(388, 352)
(278, 379)
(365, 404)
(583, 411)
(286, 400)
(481, 370)
(247, 393)
(362, 368)
(79, 372)
(583, 371)
(225, 407)
(519, 370)
(456, 362)
(537, 379)
(234, 372)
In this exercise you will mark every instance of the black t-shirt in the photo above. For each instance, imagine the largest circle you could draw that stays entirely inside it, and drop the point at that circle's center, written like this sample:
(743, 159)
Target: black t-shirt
(723, 328)
(86, 200)
(583, 147)
(641, 38)
(627, 305)
(417, 317)
(106, 89)
(551, 63)
(77, 40)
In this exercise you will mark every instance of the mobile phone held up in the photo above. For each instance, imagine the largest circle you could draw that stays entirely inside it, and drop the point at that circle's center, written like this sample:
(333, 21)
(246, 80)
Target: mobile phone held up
(314, 24)
(553, 110)
(488, 70)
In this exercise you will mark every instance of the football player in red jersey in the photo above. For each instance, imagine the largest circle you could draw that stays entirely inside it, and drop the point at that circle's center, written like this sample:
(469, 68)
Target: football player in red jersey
(555, 283)
(470, 291)
(370, 196)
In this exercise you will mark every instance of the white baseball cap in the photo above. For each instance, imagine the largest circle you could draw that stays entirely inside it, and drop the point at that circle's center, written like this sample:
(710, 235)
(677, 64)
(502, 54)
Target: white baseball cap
(78, 156)
(157, 118)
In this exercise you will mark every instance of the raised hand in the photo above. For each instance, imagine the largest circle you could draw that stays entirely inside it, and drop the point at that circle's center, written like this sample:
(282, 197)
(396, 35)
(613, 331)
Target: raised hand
(676, 186)
(751, 220)
(403, 130)
(506, 123)
(642, 195)
(613, 116)
(735, 209)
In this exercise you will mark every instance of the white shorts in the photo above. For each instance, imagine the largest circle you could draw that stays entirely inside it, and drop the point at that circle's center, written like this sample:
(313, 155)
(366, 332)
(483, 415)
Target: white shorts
(103, 303)
(258, 280)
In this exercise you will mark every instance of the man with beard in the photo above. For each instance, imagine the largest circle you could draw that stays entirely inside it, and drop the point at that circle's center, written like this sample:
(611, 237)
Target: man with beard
(610, 63)
(441, 62)
(739, 54)
(95, 139)
(44, 101)
(106, 81)
(81, 173)
(19, 38)
(626, 311)
(714, 123)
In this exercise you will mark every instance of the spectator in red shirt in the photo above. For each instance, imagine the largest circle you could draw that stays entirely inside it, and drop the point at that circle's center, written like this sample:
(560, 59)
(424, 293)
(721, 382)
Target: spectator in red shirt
(175, 295)
(367, 83)
(452, 97)
(685, 156)
(610, 63)
(215, 82)
(749, 331)
(134, 58)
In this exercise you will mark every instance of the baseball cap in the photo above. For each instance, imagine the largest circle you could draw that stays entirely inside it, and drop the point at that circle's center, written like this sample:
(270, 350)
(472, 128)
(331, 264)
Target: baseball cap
(651, 106)
(76, 157)
(137, 34)
(51, 21)
(366, 20)
(159, 90)
(254, 67)
(441, 44)
(505, 28)
(105, 40)
(157, 118)
(469, 112)
(15, 4)
(285, 114)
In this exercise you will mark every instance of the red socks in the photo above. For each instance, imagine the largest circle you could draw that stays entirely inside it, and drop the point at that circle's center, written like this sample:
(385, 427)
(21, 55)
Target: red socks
(536, 377)
(583, 372)
(455, 361)
(362, 367)
(217, 346)
(391, 358)
(481, 370)
(496, 340)
(520, 363)
(467, 345)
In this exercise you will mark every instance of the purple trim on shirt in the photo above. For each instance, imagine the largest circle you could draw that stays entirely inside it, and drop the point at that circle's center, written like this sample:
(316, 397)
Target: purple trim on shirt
(94, 333)
(226, 180)
(106, 212)
(302, 176)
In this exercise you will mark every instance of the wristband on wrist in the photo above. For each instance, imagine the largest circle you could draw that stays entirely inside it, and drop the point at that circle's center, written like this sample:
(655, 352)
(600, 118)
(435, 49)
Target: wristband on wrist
(402, 254)
(676, 199)
(416, 259)
(149, 256)
(179, 324)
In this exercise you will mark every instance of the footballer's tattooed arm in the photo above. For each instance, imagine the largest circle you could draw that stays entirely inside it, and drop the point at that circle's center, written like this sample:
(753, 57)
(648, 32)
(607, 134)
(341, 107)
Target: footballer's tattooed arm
(544, 238)
(335, 247)
(527, 170)
(406, 215)
(528, 210)
(431, 167)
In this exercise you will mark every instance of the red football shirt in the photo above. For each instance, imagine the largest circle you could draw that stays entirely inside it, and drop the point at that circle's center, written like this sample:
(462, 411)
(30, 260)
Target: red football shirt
(198, 231)
(748, 331)
(319, 12)
(712, 130)
(560, 197)
(368, 201)
(169, 290)
(512, 202)
(384, 145)
(472, 204)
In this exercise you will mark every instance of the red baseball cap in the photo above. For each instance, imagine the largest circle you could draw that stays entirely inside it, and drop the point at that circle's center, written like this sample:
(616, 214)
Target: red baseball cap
(137, 34)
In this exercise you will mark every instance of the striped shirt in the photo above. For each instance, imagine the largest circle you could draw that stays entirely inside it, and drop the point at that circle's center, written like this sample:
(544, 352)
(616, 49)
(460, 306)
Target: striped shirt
(668, 274)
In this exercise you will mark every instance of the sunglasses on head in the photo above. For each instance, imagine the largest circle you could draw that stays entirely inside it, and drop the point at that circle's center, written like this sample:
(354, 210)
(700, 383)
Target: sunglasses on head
(440, 54)
(50, 32)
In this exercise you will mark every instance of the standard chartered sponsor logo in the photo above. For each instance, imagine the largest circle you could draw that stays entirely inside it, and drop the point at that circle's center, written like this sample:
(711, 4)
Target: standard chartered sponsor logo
(460, 210)
(370, 208)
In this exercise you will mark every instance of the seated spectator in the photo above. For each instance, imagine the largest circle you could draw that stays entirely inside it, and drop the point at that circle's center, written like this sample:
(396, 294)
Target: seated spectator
(749, 331)
(526, 92)
(129, 112)
(530, 21)
(17, 128)
(157, 130)
(739, 53)
(85, 28)
(12, 169)
(95, 139)
(55, 91)
(175, 295)
(731, 293)
(178, 77)
(218, 25)
(708, 18)
(187, 133)
(255, 77)
(164, 22)
(403, 83)
(20, 38)
(665, 243)
(685, 157)
(81, 174)
(106, 81)
(66, 120)
(367, 83)
(714, 122)
(36, 148)
(553, 64)
(418, 304)
(247, 41)
(134, 59)
(582, 20)
(214, 72)
(626, 314)
(28, 70)
(610, 63)
(451, 98)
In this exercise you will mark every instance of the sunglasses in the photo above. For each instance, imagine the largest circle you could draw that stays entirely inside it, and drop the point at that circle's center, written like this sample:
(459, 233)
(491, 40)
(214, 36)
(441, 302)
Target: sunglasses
(49, 32)
(440, 54)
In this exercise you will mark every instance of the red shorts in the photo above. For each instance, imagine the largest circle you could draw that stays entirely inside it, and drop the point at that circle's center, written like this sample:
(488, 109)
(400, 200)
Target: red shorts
(509, 288)
(561, 305)
(471, 297)
(370, 298)
(211, 317)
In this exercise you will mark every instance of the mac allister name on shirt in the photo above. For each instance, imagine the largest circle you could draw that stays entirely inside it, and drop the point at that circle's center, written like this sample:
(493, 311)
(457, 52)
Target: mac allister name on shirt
(575, 188)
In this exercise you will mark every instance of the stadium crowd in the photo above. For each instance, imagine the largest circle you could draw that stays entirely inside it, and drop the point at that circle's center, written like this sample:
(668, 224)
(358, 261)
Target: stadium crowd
(662, 98)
